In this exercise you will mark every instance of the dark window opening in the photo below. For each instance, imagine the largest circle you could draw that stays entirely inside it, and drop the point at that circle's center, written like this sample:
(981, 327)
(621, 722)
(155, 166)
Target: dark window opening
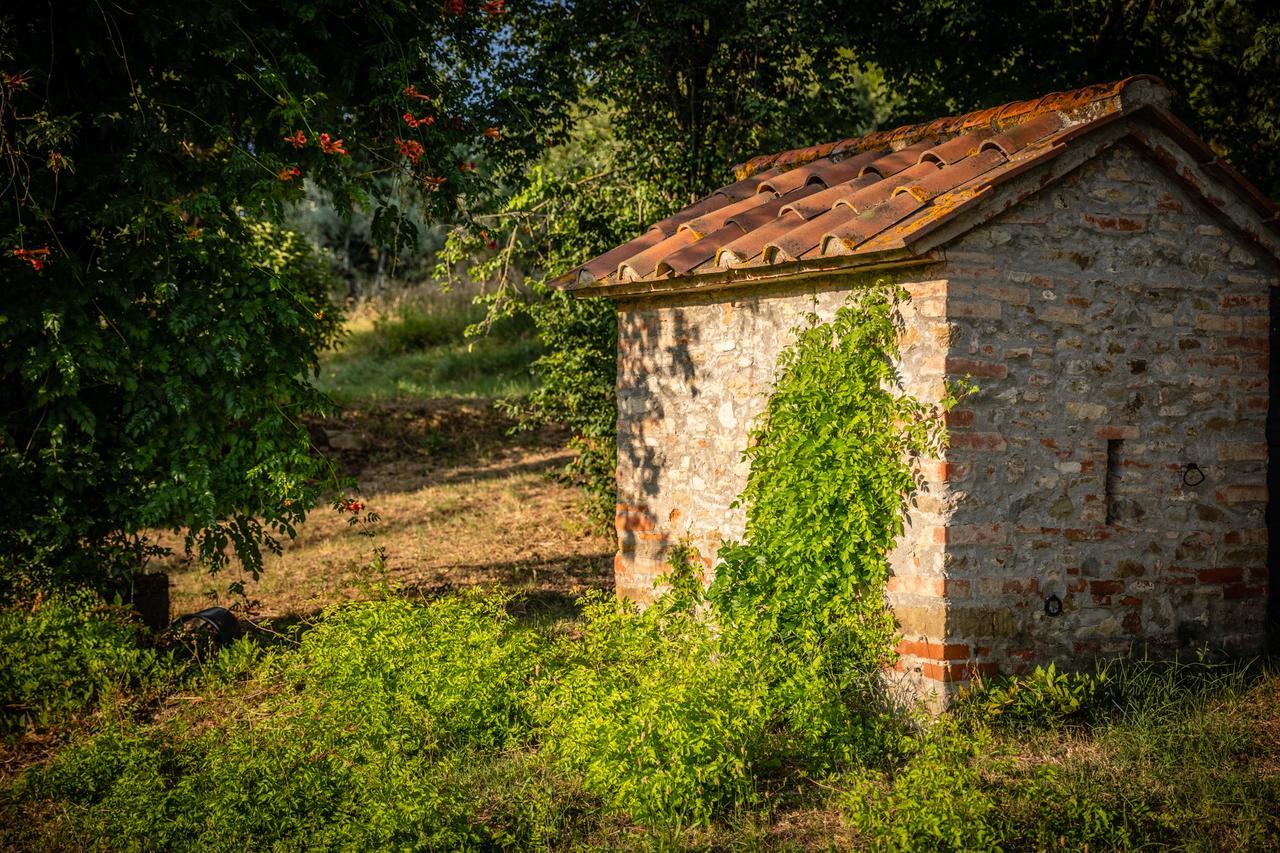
(1114, 446)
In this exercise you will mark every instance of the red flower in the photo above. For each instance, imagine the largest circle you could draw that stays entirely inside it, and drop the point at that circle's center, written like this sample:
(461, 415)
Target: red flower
(35, 257)
(495, 7)
(350, 505)
(297, 139)
(455, 7)
(493, 133)
(412, 92)
(432, 182)
(332, 146)
(288, 173)
(410, 148)
(466, 167)
(15, 81)
(414, 122)
(56, 162)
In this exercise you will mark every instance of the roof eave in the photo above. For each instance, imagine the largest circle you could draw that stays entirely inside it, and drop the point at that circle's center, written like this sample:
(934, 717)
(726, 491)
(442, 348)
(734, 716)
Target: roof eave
(751, 276)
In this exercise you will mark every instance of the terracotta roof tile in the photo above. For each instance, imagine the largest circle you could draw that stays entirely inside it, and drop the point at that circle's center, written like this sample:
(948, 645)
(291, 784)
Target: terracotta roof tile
(847, 169)
(879, 192)
(893, 163)
(645, 264)
(887, 190)
(824, 172)
(714, 220)
(712, 202)
(606, 265)
(695, 254)
(865, 224)
(802, 239)
(939, 181)
(824, 200)
(749, 245)
(762, 214)
(957, 148)
(1019, 136)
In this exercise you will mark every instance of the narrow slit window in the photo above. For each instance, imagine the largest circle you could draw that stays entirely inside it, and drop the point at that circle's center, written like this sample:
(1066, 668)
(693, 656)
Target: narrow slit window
(1112, 482)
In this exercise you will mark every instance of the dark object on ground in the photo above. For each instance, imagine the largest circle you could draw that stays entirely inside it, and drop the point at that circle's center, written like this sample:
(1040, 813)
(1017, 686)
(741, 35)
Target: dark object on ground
(149, 597)
(216, 623)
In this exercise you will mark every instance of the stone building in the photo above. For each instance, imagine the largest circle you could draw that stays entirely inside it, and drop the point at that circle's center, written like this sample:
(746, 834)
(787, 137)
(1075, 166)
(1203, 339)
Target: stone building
(1104, 278)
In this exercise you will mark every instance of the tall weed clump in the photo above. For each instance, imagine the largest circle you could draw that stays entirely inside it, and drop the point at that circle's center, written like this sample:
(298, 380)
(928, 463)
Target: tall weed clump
(385, 727)
(663, 714)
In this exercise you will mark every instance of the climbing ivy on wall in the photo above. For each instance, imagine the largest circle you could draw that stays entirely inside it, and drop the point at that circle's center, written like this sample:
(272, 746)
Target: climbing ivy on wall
(830, 480)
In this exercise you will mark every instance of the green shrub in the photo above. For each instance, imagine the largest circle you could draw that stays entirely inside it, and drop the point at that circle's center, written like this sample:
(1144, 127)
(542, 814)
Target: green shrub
(65, 654)
(455, 671)
(933, 801)
(664, 716)
(388, 726)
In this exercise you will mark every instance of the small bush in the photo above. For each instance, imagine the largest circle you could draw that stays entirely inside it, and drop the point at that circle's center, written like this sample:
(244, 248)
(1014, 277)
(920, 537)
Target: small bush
(933, 801)
(386, 727)
(455, 672)
(664, 717)
(65, 654)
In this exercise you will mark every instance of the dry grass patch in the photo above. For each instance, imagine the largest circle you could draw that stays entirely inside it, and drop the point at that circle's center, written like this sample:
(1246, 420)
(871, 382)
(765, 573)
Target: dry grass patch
(462, 503)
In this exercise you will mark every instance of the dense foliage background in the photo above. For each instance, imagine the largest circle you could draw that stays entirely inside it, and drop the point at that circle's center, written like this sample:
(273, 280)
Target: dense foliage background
(159, 325)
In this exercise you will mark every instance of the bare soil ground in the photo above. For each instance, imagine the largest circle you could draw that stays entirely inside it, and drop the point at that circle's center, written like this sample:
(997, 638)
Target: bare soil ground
(463, 502)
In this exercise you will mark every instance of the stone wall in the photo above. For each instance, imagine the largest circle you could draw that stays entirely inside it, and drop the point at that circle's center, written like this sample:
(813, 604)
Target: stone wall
(1117, 332)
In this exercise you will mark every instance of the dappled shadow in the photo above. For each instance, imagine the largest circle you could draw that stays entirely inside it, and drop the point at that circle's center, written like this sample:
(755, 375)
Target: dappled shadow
(565, 575)
(402, 447)
(656, 363)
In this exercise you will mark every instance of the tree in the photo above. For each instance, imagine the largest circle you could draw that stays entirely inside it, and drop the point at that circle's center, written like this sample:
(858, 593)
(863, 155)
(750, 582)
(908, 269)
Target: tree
(157, 330)
(1221, 56)
(646, 107)
(696, 87)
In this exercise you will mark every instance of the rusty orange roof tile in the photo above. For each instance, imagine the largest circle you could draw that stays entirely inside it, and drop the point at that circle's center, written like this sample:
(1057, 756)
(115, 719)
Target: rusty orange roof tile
(886, 191)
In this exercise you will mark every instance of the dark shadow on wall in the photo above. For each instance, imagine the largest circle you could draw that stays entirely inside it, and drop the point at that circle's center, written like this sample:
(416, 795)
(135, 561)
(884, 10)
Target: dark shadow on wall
(640, 434)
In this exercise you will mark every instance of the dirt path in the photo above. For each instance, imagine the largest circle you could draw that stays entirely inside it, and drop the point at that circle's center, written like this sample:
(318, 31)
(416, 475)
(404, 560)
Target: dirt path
(461, 502)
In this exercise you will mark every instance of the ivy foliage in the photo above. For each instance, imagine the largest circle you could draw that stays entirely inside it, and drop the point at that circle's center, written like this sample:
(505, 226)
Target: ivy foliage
(157, 331)
(831, 477)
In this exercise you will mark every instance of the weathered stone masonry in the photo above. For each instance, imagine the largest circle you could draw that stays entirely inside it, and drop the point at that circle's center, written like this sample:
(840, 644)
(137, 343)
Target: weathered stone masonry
(1117, 329)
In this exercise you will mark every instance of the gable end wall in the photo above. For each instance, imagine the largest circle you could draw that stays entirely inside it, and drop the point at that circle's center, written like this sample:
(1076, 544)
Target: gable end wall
(1113, 324)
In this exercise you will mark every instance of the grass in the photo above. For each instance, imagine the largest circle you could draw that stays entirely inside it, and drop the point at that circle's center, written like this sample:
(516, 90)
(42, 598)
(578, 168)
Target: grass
(416, 348)
(463, 499)
(411, 724)
(462, 502)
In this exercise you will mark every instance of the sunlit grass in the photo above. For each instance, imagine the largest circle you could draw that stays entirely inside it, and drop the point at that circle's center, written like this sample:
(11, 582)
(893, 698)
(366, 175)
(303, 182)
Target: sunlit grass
(417, 348)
